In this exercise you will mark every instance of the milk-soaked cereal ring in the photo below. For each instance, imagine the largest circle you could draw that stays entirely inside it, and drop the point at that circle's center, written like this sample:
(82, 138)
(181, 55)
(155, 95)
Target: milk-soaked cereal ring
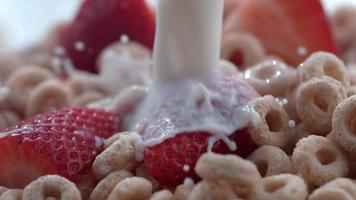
(316, 101)
(248, 45)
(141, 171)
(118, 156)
(46, 96)
(11, 194)
(216, 167)
(133, 188)
(162, 195)
(105, 186)
(344, 124)
(340, 188)
(318, 160)
(272, 77)
(270, 160)
(272, 126)
(21, 83)
(282, 186)
(324, 64)
(343, 21)
(51, 186)
(207, 190)
(9, 62)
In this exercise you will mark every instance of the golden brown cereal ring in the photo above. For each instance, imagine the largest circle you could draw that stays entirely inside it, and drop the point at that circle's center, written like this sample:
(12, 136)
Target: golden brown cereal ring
(290, 106)
(352, 71)
(182, 191)
(118, 156)
(216, 167)
(250, 47)
(272, 127)
(87, 97)
(105, 186)
(316, 101)
(2, 190)
(282, 186)
(340, 188)
(318, 160)
(21, 83)
(272, 77)
(321, 64)
(351, 91)
(343, 21)
(8, 118)
(9, 62)
(47, 96)
(206, 190)
(133, 188)
(11, 194)
(141, 171)
(344, 124)
(51, 186)
(270, 160)
(162, 195)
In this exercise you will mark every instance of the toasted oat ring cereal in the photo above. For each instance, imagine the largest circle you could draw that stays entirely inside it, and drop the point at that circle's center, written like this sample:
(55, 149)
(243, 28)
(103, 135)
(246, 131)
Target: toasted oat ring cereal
(318, 160)
(141, 171)
(51, 186)
(134, 50)
(105, 186)
(216, 167)
(133, 188)
(249, 46)
(182, 191)
(162, 195)
(340, 188)
(206, 190)
(344, 124)
(316, 101)
(282, 186)
(324, 64)
(21, 83)
(344, 25)
(9, 62)
(87, 97)
(272, 77)
(11, 194)
(270, 160)
(351, 91)
(7, 118)
(272, 127)
(46, 96)
(118, 156)
(2, 190)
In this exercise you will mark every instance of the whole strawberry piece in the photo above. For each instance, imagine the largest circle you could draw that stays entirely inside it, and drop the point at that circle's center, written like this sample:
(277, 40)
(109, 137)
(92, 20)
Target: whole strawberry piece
(100, 23)
(289, 29)
(62, 142)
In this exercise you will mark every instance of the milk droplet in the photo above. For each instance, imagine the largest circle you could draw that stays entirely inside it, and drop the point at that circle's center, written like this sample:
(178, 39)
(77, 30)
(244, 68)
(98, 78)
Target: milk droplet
(79, 46)
(302, 50)
(186, 168)
(291, 123)
(124, 38)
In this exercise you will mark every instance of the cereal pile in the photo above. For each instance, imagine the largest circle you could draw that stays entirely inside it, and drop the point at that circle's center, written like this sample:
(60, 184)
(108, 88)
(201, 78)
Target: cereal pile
(303, 129)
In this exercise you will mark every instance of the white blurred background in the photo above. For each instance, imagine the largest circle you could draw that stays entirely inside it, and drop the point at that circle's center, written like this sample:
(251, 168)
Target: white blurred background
(23, 22)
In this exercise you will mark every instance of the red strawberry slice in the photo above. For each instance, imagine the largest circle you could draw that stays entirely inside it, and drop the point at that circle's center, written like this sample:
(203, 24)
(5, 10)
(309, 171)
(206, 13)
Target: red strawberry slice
(173, 160)
(62, 142)
(99, 23)
(289, 29)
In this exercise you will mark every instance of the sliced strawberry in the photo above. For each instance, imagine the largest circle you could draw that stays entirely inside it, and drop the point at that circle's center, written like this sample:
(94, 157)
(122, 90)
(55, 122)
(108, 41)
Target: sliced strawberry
(99, 23)
(62, 142)
(289, 29)
(173, 160)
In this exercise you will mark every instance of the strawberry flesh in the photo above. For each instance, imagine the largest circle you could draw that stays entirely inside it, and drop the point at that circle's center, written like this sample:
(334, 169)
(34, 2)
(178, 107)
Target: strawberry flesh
(285, 26)
(166, 161)
(62, 142)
